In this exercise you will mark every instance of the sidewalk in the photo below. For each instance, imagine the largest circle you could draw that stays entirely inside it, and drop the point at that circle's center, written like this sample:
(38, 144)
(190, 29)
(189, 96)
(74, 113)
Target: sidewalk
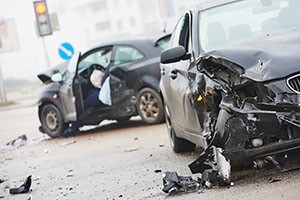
(22, 98)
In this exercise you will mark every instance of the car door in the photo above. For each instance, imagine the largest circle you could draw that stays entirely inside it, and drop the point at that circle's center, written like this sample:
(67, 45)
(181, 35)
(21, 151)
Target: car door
(68, 90)
(122, 90)
(177, 79)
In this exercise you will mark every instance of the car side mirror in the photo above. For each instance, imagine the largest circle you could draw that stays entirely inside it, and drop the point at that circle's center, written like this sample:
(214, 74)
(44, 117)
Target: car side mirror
(174, 54)
(57, 77)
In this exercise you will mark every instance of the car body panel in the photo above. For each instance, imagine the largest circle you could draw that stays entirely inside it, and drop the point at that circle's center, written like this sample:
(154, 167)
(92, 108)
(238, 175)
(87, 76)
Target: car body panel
(263, 58)
(127, 78)
(241, 99)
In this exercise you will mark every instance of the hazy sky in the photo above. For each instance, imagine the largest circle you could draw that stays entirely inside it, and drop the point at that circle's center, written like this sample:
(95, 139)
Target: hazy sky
(23, 55)
(20, 56)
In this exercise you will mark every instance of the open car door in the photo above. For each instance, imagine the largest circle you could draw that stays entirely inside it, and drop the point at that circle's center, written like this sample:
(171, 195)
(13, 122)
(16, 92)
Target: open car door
(123, 57)
(70, 91)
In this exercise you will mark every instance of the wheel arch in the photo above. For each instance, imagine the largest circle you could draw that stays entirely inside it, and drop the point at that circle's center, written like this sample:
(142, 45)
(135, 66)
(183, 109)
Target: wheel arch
(44, 101)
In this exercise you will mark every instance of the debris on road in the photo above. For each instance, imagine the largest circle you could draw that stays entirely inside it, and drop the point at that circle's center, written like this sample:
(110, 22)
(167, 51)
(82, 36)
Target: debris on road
(48, 151)
(2, 180)
(68, 143)
(213, 166)
(172, 183)
(18, 142)
(131, 150)
(272, 180)
(24, 188)
(157, 171)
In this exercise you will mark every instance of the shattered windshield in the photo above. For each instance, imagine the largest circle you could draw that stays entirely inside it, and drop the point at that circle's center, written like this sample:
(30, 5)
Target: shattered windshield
(227, 24)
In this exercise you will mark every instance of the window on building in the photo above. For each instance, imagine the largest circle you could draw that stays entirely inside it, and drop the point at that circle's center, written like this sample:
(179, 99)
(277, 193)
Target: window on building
(132, 21)
(102, 26)
(98, 6)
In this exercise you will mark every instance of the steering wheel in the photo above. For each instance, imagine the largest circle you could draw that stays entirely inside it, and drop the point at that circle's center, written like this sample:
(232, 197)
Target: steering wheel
(98, 67)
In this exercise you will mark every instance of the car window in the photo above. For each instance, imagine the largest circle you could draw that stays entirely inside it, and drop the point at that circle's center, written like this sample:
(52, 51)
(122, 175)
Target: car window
(71, 68)
(164, 42)
(99, 56)
(252, 18)
(180, 34)
(176, 33)
(125, 54)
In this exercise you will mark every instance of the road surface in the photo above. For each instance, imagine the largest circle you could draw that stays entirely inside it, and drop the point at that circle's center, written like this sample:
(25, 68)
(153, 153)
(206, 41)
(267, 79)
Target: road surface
(113, 161)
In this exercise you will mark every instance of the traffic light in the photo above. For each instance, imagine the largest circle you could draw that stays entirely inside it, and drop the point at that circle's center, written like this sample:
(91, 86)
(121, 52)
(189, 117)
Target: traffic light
(42, 17)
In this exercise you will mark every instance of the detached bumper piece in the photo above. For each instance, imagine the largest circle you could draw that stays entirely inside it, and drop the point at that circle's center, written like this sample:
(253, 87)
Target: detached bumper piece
(215, 169)
(213, 166)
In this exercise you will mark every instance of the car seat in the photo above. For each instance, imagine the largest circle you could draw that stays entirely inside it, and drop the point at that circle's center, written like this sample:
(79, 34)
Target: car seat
(239, 32)
(289, 18)
(216, 35)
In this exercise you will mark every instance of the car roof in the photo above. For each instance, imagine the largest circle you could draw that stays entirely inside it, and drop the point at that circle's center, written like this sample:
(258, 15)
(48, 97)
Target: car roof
(137, 41)
(134, 42)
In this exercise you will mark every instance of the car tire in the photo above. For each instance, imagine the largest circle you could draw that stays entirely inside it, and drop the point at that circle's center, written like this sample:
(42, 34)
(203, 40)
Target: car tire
(177, 144)
(150, 106)
(52, 121)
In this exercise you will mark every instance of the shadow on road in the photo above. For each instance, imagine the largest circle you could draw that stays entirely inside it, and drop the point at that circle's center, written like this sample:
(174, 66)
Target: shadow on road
(113, 125)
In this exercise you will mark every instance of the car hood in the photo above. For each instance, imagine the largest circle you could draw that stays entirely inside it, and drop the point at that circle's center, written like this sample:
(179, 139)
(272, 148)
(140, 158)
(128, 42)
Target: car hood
(264, 58)
(46, 75)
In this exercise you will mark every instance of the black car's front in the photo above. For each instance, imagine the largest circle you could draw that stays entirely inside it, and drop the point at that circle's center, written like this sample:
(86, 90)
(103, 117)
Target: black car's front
(251, 88)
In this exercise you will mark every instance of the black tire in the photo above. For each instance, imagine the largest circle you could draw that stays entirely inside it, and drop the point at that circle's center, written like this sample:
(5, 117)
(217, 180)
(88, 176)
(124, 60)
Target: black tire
(150, 106)
(177, 144)
(52, 121)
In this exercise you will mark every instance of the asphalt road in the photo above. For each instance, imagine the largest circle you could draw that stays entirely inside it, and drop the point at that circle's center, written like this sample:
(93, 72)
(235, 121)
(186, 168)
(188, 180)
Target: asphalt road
(114, 161)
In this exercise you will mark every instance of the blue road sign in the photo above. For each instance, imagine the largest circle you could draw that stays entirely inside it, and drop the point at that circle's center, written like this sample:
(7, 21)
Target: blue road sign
(65, 51)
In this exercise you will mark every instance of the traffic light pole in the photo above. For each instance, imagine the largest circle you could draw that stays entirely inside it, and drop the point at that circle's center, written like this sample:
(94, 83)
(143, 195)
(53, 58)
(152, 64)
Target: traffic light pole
(46, 53)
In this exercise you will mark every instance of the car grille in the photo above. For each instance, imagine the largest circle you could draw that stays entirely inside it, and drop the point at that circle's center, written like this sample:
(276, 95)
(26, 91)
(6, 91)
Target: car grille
(294, 83)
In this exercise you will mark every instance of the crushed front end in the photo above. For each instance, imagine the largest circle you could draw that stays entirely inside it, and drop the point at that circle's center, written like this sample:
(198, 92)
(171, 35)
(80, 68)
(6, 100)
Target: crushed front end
(251, 123)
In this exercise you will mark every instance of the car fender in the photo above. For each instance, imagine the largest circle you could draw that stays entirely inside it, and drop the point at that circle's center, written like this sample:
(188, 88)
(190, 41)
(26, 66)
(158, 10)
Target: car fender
(150, 81)
(51, 97)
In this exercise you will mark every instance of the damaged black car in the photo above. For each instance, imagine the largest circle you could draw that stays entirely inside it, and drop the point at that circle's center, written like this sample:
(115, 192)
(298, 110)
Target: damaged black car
(133, 69)
(231, 85)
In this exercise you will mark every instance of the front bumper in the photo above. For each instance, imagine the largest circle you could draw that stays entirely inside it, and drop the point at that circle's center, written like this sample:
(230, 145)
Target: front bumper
(278, 129)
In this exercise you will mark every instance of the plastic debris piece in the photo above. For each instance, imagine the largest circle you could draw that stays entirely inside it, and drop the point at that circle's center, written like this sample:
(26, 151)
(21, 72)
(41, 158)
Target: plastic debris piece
(68, 143)
(18, 142)
(173, 184)
(24, 188)
(272, 180)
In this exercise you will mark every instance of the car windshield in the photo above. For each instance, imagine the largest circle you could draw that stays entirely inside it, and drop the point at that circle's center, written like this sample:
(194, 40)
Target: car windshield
(230, 23)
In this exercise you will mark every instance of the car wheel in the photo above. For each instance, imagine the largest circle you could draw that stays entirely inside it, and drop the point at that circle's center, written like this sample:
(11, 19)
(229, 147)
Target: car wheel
(150, 106)
(52, 121)
(177, 144)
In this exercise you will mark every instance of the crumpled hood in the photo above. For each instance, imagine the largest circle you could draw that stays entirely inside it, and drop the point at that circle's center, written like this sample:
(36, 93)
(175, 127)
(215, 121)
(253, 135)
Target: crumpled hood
(46, 75)
(264, 58)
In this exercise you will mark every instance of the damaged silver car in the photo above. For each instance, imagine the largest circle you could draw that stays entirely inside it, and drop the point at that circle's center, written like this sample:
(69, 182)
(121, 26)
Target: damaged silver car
(231, 85)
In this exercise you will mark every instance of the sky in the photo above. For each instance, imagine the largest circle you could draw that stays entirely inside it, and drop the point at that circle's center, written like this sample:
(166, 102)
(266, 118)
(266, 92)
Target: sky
(24, 54)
